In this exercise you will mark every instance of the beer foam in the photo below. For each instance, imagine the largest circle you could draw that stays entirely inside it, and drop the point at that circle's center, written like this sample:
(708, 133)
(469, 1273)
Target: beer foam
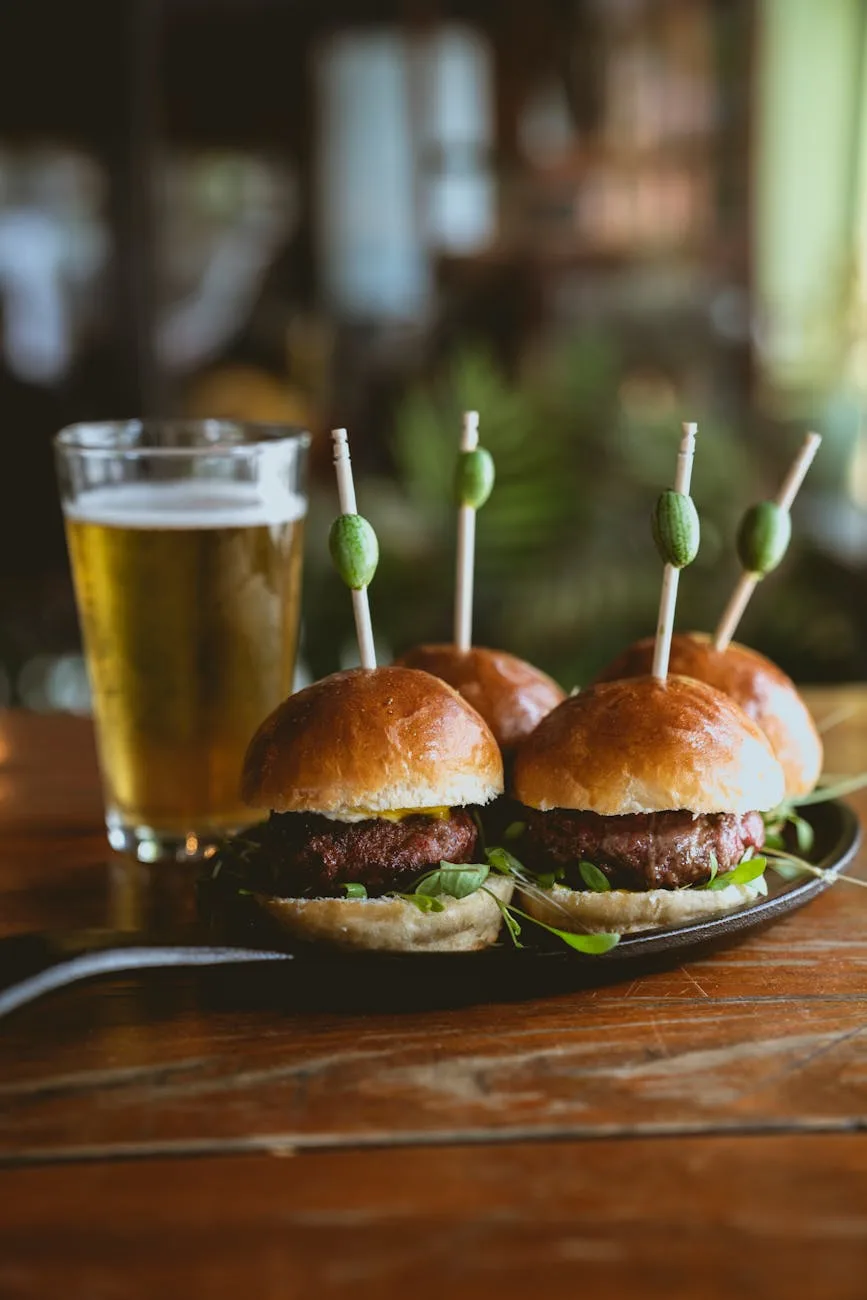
(191, 504)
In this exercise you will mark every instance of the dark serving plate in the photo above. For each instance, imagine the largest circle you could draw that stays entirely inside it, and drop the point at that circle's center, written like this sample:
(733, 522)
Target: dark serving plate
(32, 965)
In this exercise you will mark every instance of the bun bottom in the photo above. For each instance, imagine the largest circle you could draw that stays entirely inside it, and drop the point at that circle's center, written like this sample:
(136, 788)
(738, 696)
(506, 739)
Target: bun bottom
(624, 911)
(392, 925)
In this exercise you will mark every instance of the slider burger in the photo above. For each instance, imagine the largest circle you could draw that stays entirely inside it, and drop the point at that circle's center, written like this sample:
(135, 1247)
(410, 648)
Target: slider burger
(370, 777)
(636, 794)
(511, 695)
(762, 690)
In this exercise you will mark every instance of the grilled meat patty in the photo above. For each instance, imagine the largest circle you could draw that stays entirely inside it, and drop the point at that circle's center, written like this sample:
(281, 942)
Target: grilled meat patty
(311, 856)
(644, 851)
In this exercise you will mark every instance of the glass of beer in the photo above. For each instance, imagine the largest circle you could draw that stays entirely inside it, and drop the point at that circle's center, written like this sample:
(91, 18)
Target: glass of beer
(185, 539)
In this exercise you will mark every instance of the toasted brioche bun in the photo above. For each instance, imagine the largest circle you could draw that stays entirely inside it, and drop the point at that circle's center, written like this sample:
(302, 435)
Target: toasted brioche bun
(762, 690)
(371, 741)
(392, 925)
(510, 694)
(622, 911)
(639, 745)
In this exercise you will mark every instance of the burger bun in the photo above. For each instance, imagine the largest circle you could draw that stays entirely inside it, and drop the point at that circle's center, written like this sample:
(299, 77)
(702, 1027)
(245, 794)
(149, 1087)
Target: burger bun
(392, 924)
(757, 685)
(640, 745)
(511, 695)
(624, 911)
(371, 741)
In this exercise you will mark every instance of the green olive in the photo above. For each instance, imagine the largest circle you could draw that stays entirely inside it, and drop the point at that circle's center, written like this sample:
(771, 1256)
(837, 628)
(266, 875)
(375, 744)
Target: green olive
(676, 528)
(474, 477)
(763, 537)
(354, 550)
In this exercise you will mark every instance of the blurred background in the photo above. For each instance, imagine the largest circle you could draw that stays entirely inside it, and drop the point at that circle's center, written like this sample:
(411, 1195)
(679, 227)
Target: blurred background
(589, 219)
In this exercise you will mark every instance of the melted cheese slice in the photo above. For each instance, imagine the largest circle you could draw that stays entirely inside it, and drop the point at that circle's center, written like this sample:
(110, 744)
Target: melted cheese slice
(398, 814)
(392, 815)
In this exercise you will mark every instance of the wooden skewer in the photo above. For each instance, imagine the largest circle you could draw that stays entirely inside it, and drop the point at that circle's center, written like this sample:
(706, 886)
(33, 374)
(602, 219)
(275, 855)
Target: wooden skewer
(671, 575)
(463, 619)
(346, 496)
(747, 583)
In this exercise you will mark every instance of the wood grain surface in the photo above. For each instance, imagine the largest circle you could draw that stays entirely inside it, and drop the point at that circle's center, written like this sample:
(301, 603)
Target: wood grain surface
(694, 1219)
(693, 1130)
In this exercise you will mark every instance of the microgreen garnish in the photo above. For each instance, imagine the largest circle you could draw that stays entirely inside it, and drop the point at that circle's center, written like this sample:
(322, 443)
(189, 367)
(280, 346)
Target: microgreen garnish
(513, 925)
(505, 863)
(786, 869)
(514, 831)
(590, 943)
(594, 878)
(804, 833)
(548, 879)
(424, 902)
(775, 825)
(353, 889)
(789, 866)
(586, 943)
(714, 868)
(508, 865)
(787, 815)
(454, 880)
(480, 828)
(747, 871)
(460, 881)
(823, 793)
(235, 865)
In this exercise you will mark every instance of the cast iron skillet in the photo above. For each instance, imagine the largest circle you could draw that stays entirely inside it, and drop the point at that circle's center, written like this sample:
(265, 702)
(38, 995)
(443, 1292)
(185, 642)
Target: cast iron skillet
(34, 964)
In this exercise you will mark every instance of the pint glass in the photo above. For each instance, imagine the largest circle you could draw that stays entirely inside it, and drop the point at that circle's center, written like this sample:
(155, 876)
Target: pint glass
(185, 540)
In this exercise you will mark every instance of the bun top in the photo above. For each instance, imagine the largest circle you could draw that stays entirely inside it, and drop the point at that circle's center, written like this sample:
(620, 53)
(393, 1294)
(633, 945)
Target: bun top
(370, 741)
(762, 690)
(641, 746)
(510, 694)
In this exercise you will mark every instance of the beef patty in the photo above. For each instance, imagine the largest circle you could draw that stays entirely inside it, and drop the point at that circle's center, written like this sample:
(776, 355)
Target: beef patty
(643, 851)
(307, 855)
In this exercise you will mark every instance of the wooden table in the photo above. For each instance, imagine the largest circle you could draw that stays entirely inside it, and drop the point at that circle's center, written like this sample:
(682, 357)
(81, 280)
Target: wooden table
(696, 1132)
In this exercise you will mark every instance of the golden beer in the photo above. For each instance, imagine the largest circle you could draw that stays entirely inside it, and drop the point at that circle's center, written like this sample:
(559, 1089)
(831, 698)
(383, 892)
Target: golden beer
(188, 595)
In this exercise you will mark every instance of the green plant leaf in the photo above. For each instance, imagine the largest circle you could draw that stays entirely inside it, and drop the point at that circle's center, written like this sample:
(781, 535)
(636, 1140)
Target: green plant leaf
(785, 815)
(353, 889)
(804, 834)
(783, 862)
(593, 878)
(453, 880)
(424, 902)
(481, 843)
(514, 831)
(505, 863)
(788, 870)
(714, 867)
(824, 793)
(548, 879)
(743, 874)
(589, 943)
(513, 925)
